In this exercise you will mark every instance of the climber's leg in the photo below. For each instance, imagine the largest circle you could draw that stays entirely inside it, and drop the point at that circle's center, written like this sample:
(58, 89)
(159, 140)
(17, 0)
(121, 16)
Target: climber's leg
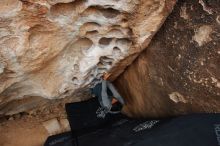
(115, 93)
(106, 100)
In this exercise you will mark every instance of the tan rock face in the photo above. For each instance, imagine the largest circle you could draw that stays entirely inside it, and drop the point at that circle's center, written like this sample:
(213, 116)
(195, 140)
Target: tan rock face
(51, 48)
(179, 71)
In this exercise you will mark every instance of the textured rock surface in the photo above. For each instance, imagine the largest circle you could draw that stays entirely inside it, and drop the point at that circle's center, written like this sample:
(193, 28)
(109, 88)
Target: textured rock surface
(51, 48)
(180, 70)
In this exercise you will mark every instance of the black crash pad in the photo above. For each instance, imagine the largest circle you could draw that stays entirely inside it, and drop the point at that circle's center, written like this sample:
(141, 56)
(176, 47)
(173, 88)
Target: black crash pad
(64, 139)
(119, 130)
(83, 119)
(191, 130)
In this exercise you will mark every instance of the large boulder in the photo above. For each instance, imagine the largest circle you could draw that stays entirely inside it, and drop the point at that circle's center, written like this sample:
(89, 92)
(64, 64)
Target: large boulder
(179, 72)
(49, 49)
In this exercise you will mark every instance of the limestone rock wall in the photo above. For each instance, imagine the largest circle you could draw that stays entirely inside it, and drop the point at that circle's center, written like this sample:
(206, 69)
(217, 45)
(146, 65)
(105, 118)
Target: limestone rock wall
(50, 49)
(179, 72)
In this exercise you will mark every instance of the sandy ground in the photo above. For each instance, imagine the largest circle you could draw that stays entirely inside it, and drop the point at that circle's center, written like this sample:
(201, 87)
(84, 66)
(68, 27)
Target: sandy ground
(22, 133)
(28, 129)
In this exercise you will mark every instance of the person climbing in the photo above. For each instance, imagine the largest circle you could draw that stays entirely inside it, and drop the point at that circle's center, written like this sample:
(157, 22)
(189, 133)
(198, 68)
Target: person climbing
(109, 98)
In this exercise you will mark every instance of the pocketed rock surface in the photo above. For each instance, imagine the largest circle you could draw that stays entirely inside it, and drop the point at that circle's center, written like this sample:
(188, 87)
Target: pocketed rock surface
(51, 49)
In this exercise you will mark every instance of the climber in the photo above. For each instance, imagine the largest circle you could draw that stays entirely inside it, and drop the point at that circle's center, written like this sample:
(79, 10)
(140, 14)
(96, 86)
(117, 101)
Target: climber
(109, 98)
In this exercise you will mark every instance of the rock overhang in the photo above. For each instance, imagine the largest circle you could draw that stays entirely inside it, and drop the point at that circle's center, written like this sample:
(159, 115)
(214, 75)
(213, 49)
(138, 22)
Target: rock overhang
(52, 48)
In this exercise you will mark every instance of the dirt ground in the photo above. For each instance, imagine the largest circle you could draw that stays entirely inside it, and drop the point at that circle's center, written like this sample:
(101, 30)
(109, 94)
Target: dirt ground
(28, 129)
(22, 133)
